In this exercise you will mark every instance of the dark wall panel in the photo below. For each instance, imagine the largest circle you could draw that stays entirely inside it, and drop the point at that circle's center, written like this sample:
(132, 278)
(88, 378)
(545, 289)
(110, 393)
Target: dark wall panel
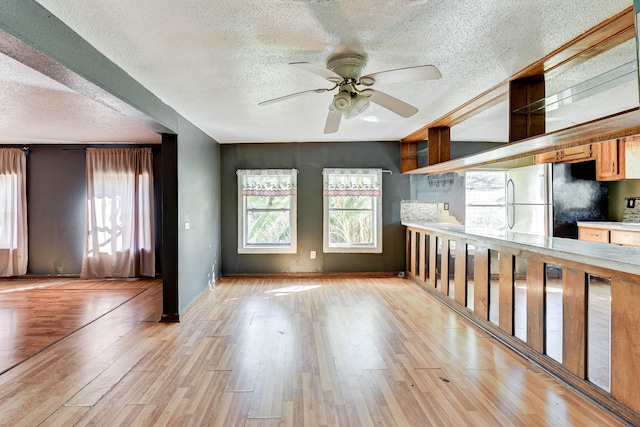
(55, 206)
(310, 159)
(56, 211)
(199, 207)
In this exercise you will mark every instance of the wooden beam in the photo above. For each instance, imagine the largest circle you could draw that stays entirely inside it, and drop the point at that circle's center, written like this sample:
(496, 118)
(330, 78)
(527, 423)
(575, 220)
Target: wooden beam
(439, 145)
(408, 156)
(525, 122)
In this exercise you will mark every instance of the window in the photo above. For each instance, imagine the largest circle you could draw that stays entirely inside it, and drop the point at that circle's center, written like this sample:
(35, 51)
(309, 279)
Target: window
(352, 219)
(267, 211)
(485, 200)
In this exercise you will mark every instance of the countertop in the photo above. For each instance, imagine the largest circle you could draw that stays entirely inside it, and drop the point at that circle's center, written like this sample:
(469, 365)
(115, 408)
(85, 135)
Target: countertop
(613, 257)
(610, 225)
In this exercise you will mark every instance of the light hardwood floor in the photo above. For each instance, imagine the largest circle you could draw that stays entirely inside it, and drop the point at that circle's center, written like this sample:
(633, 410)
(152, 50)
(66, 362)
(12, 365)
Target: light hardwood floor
(285, 352)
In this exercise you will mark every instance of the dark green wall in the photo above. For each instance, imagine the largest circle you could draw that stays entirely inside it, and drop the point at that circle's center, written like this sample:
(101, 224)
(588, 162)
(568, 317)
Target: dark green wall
(198, 204)
(310, 159)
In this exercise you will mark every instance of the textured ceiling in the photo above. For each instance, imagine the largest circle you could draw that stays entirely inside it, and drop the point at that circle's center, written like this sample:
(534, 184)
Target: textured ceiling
(214, 61)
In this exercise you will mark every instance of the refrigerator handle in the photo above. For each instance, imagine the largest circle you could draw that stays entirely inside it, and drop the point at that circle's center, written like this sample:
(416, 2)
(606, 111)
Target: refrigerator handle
(511, 212)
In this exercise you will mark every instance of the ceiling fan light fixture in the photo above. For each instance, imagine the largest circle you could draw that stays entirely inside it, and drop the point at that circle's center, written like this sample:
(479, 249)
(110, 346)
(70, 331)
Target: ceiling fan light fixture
(342, 101)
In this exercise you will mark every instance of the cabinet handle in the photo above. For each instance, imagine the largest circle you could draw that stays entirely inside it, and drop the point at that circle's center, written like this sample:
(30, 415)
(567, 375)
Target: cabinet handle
(612, 164)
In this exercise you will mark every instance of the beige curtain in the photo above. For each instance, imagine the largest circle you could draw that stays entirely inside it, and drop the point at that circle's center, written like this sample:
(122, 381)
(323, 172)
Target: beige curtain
(119, 239)
(13, 212)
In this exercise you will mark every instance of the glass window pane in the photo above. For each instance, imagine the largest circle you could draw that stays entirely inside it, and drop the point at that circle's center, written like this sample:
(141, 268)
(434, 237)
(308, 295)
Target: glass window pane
(351, 227)
(268, 227)
(485, 219)
(268, 202)
(485, 187)
(350, 202)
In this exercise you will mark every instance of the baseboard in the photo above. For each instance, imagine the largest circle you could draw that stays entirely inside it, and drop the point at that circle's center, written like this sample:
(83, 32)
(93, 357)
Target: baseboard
(375, 274)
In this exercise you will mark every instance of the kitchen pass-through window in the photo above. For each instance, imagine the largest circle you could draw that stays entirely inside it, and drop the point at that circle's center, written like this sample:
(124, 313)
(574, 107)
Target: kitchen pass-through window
(485, 201)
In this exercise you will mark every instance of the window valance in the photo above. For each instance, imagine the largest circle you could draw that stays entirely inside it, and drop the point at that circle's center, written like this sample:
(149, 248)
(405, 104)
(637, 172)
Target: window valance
(267, 182)
(352, 182)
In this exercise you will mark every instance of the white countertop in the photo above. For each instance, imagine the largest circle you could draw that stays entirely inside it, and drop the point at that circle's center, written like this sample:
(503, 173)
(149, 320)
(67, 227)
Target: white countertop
(613, 257)
(610, 225)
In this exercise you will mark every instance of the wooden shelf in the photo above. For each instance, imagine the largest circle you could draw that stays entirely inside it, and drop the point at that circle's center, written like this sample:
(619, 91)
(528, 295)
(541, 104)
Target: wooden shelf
(611, 127)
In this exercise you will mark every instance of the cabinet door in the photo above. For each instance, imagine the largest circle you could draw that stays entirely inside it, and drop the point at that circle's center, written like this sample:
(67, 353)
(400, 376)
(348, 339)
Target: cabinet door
(581, 153)
(549, 157)
(610, 160)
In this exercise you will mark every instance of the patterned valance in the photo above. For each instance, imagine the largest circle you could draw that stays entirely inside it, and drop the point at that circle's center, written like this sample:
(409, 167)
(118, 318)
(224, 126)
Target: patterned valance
(267, 182)
(352, 182)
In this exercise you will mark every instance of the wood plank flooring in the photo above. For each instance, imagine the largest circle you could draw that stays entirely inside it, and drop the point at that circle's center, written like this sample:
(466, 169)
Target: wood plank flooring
(286, 352)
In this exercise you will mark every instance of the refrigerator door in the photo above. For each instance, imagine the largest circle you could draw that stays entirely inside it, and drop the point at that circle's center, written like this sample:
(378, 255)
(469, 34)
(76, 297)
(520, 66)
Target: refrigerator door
(529, 219)
(530, 185)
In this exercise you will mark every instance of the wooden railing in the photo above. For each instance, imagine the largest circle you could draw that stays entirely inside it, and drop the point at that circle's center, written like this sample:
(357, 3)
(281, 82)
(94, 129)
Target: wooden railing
(577, 320)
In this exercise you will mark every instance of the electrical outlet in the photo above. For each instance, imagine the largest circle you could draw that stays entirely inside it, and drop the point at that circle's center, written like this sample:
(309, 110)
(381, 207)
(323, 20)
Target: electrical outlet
(312, 255)
(446, 206)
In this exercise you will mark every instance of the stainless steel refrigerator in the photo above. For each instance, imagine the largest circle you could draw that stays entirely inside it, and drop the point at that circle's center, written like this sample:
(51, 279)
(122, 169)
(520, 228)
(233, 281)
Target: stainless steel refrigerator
(529, 200)
(550, 199)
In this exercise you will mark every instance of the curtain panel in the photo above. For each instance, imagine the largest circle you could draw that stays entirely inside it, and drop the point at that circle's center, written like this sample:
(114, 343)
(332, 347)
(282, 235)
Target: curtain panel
(119, 233)
(14, 248)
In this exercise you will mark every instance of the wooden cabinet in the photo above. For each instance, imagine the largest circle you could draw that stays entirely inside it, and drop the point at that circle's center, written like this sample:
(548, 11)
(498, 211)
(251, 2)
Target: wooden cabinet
(581, 153)
(610, 160)
(614, 233)
(624, 238)
(590, 234)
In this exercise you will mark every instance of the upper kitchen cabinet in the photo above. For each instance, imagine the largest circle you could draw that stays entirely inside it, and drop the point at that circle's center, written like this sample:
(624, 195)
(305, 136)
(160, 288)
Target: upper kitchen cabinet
(618, 159)
(581, 153)
(610, 160)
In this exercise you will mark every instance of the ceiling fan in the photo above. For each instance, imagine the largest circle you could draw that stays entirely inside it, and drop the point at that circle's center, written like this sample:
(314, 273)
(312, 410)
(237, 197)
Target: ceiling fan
(344, 71)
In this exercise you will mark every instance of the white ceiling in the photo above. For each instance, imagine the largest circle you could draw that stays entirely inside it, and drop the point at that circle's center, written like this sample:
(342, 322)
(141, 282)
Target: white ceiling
(214, 61)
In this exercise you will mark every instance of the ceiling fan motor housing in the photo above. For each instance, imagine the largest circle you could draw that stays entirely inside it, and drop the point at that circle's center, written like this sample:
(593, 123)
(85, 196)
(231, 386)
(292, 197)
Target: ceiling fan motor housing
(349, 65)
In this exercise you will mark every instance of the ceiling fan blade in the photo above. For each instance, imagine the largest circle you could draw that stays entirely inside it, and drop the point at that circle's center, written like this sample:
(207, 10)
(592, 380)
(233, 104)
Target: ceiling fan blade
(293, 95)
(321, 71)
(401, 108)
(408, 74)
(333, 121)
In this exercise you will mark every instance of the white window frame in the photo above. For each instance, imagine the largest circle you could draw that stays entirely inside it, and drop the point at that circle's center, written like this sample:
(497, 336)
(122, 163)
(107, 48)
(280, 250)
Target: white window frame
(266, 248)
(375, 192)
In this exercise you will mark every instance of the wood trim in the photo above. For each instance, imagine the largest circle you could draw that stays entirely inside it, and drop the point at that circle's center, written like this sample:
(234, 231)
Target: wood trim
(506, 293)
(365, 274)
(433, 258)
(421, 254)
(625, 352)
(574, 321)
(444, 266)
(536, 279)
(460, 275)
(481, 282)
(412, 255)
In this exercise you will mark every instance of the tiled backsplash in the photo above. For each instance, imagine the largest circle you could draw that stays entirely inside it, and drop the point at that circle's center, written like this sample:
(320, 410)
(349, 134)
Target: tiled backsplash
(631, 209)
(418, 211)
